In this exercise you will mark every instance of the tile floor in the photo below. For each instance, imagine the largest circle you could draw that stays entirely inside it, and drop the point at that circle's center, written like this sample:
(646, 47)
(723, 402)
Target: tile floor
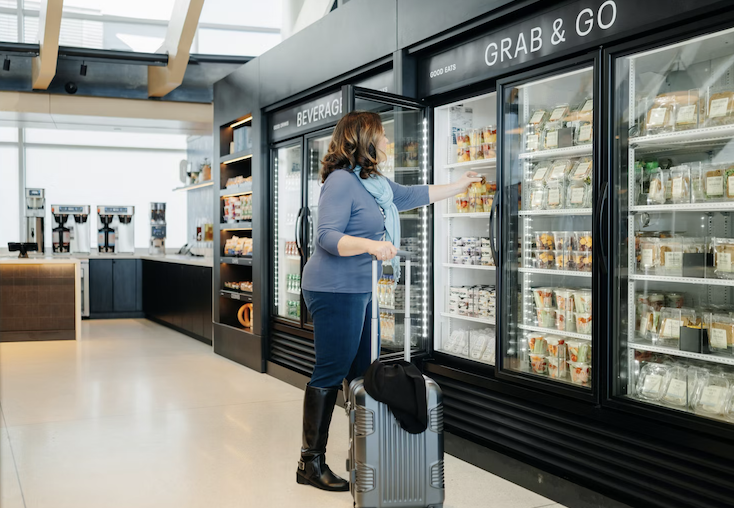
(137, 415)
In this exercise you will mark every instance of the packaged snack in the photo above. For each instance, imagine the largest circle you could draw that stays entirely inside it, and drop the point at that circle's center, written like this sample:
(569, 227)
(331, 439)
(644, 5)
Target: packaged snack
(543, 297)
(544, 259)
(649, 322)
(544, 240)
(564, 299)
(579, 195)
(697, 182)
(538, 198)
(675, 387)
(680, 177)
(557, 367)
(720, 330)
(658, 182)
(723, 253)
(713, 182)
(476, 153)
(565, 321)
(720, 110)
(462, 202)
(671, 321)
(675, 300)
(555, 195)
(581, 260)
(578, 350)
(550, 135)
(534, 129)
(560, 261)
(686, 117)
(558, 113)
(537, 344)
(546, 318)
(463, 154)
(728, 180)
(583, 323)
(559, 170)
(582, 299)
(660, 117)
(556, 346)
(581, 119)
(580, 373)
(584, 133)
(650, 383)
(582, 240)
(657, 300)
(476, 137)
(671, 254)
(490, 134)
(712, 396)
(649, 258)
(582, 170)
(538, 364)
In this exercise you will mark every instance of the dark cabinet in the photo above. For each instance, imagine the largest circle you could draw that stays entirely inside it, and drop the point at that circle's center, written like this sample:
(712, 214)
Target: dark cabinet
(124, 285)
(179, 296)
(115, 288)
(100, 286)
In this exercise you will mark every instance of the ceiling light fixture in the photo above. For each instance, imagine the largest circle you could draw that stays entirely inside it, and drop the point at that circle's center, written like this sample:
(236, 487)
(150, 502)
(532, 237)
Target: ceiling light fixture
(83, 70)
(6, 63)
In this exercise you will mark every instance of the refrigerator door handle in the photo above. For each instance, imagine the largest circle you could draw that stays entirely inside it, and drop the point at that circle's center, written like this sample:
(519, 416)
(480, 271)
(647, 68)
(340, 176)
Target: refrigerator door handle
(299, 228)
(600, 207)
(492, 244)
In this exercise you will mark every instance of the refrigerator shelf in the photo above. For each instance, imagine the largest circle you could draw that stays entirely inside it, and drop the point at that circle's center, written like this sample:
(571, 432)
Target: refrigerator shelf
(486, 321)
(565, 211)
(563, 273)
(727, 360)
(236, 190)
(685, 280)
(480, 215)
(718, 133)
(569, 151)
(294, 258)
(553, 331)
(484, 163)
(236, 295)
(706, 206)
(470, 267)
(246, 261)
(245, 225)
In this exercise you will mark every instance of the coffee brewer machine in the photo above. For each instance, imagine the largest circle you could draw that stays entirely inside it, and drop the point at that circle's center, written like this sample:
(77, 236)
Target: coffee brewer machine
(35, 214)
(116, 229)
(70, 236)
(157, 228)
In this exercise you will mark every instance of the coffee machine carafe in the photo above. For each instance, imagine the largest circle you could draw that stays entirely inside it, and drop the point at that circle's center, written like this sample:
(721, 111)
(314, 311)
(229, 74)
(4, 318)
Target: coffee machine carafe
(116, 229)
(70, 235)
(35, 213)
(157, 228)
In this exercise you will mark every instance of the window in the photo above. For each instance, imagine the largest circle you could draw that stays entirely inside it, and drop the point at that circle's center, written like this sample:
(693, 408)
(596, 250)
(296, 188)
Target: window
(9, 193)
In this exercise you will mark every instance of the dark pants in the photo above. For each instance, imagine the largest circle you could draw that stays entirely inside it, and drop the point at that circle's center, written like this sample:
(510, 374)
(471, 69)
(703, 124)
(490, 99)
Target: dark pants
(342, 327)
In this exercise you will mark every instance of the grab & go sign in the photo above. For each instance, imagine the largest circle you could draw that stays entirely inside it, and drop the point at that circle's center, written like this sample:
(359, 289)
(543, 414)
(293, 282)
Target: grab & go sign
(570, 27)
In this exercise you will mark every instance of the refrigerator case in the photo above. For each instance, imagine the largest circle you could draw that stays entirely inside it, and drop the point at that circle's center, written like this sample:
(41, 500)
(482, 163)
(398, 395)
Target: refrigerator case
(547, 236)
(674, 123)
(465, 139)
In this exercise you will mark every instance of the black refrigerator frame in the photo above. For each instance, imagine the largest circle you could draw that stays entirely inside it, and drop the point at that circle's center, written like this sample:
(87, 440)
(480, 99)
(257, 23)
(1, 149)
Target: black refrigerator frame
(609, 55)
(508, 196)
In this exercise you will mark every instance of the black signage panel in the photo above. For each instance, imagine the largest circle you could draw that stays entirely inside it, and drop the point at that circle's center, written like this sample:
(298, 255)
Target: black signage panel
(310, 116)
(573, 26)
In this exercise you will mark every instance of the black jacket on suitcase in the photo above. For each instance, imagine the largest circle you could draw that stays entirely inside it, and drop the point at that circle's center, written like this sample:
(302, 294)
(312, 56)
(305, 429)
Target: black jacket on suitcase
(403, 388)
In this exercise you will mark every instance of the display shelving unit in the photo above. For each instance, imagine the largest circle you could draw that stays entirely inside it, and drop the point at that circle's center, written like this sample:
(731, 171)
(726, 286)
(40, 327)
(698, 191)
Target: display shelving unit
(233, 268)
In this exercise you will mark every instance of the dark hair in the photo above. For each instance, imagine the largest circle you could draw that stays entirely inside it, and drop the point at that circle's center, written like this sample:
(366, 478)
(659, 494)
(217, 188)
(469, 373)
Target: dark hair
(354, 143)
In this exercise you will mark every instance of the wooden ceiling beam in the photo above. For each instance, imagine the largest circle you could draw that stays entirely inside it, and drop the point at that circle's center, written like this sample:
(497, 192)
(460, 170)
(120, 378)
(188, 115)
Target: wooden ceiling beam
(49, 28)
(179, 37)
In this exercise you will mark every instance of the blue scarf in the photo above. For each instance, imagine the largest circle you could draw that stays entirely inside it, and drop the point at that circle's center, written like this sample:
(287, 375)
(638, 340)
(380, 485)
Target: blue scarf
(380, 189)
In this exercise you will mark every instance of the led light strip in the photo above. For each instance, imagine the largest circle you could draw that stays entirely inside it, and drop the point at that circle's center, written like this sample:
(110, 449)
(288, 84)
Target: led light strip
(275, 241)
(424, 229)
(244, 120)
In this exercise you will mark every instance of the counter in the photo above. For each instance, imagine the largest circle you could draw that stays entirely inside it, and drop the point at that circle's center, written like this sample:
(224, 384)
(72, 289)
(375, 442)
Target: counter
(40, 299)
(167, 258)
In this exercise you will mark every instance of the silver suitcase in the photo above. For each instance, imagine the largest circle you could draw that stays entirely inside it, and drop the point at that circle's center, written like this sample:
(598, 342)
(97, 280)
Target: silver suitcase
(387, 465)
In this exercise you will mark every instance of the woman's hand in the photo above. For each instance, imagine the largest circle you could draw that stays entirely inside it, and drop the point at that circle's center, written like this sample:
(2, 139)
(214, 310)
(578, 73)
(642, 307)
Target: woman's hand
(465, 181)
(383, 251)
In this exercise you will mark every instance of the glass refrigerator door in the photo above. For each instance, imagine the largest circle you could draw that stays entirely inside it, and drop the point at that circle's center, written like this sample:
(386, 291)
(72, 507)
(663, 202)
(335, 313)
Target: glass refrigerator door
(547, 188)
(464, 275)
(406, 128)
(288, 221)
(674, 336)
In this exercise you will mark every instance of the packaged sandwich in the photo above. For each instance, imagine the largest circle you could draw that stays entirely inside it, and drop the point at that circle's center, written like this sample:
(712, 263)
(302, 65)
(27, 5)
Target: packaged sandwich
(720, 109)
(723, 254)
(680, 177)
(661, 115)
(714, 182)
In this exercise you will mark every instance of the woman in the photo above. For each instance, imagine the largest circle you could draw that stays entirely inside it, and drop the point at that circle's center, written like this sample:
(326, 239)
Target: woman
(358, 217)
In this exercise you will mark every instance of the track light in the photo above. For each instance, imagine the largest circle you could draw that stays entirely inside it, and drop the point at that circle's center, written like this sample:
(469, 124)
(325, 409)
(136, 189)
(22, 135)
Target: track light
(83, 70)
(6, 64)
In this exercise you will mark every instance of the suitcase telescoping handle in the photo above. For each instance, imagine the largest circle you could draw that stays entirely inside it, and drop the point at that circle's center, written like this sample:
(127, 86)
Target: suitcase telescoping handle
(375, 348)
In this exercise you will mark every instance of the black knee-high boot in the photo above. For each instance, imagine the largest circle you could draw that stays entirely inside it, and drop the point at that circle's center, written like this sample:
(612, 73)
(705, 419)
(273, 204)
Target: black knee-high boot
(318, 406)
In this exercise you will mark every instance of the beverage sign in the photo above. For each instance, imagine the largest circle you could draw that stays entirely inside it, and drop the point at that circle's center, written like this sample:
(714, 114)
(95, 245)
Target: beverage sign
(310, 116)
(573, 26)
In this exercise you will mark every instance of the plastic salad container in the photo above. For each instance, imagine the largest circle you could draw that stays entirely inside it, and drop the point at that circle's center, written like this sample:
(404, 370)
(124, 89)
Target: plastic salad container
(650, 383)
(580, 373)
(582, 299)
